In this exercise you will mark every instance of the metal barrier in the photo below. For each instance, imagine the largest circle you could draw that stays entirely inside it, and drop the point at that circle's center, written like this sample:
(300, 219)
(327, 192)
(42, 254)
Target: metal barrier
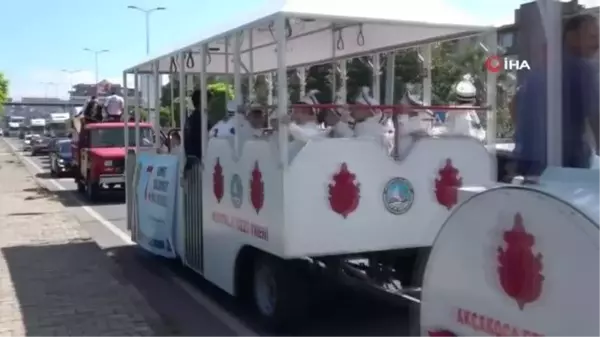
(192, 203)
(130, 175)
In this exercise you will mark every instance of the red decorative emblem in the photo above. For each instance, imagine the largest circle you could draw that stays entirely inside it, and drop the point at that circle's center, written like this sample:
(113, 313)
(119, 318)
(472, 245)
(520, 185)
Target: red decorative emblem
(218, 181)
(447, 184)
(257, 188)
(519, 269)
(344, 192)
(440, 333)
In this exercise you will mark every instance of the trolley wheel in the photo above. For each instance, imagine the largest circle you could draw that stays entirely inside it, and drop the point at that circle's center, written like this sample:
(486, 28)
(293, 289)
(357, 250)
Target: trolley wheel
(279, 293)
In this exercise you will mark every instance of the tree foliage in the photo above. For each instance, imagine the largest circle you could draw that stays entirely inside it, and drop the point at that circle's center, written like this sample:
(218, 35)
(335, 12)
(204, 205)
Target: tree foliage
(3, 92)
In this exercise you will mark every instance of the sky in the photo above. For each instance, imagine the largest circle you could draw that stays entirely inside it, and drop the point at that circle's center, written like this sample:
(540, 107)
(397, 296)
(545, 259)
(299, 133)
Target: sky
(43, 38)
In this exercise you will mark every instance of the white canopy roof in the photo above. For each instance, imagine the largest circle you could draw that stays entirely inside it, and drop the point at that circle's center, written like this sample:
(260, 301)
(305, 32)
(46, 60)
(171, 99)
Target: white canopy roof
(362, 26)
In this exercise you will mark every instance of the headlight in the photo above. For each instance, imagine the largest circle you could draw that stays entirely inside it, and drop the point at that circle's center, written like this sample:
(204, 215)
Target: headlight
(61, 161)
(108, 163)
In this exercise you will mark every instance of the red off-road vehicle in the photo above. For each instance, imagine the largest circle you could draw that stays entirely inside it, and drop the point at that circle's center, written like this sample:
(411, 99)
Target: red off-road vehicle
(99, 152)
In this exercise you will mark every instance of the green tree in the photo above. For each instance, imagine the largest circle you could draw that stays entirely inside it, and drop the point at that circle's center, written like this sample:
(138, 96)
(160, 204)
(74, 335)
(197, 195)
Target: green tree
(3, 92)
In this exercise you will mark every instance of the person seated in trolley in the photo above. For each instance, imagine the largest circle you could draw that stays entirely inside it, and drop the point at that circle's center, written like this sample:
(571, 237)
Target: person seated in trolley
(371, 122)
(465, 122)
(338, 120)
(250, 122)
(303, 124)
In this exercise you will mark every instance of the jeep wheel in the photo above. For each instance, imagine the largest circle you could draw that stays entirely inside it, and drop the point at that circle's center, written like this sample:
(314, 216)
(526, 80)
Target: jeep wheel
(279, 293)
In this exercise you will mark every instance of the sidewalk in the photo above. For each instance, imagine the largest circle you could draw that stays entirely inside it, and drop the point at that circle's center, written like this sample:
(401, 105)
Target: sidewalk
(54, 280)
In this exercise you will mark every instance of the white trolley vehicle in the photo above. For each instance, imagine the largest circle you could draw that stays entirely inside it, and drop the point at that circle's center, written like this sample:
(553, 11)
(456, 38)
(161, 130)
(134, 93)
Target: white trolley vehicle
(251, 214)
(522, 259)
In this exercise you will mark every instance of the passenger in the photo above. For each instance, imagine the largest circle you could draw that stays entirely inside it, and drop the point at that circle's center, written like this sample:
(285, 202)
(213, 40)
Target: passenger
(226, 126)
(372, 122)
(338, 120)
(90, 109)
(175, 143)
(192, 140)
(252, 123)
(114, 105)
(465, 122)
(303, 124)
(579, 103)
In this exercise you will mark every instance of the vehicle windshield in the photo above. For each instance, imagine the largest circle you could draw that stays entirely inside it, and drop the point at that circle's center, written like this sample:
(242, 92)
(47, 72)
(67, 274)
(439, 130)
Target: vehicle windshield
(36, 129)
(114, 137)
(64, 147)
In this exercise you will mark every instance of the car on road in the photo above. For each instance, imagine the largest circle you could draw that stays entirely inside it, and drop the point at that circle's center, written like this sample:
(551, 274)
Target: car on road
(39, 145)
(60, 157)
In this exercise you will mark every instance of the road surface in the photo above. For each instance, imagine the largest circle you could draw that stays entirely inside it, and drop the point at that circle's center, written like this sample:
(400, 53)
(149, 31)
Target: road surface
(192, 306)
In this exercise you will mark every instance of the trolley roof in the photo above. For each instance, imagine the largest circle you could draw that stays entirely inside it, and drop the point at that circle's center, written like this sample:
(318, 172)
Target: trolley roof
(385, 25)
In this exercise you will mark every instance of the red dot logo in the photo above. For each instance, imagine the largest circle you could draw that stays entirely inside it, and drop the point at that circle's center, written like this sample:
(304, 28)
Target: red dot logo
(493, 64)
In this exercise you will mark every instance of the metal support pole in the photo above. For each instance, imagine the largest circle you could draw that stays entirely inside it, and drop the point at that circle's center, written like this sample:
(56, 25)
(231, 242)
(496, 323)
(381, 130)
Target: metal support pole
(376, 73)
(334, 66)
(126, 117)
(269, 82)
(203, 100)
(156, 121)
(237, 87)
(182, 104)
(136, 87)
(491, 86)
(251, 79)
(343, 81)
(425, 51)
(390, 77)
(551, 17)
(172, 93)
(227, 60)
(282, 102)
(302, 81)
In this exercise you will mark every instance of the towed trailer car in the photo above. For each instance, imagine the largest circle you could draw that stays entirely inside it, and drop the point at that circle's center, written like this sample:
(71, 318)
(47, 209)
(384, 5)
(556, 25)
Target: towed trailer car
(249, 216)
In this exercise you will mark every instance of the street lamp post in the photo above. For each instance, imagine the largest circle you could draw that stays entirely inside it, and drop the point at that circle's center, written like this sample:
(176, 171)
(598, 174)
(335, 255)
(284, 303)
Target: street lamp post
(147, 13)
(46, 85)
(70, 75)
(96, 53)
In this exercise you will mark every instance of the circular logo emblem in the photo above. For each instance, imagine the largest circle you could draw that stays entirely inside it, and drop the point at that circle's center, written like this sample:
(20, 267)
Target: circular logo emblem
(398, 196)
(236, 191)
(493, 64)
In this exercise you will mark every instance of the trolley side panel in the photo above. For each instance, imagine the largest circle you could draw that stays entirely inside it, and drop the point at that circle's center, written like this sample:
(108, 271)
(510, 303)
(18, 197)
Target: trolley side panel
(243, 205)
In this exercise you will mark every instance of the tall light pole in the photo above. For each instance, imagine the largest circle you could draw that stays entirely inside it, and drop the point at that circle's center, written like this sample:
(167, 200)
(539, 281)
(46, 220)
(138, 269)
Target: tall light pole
(147, 13)
(46, 85)
(70, 75)
(96, 53)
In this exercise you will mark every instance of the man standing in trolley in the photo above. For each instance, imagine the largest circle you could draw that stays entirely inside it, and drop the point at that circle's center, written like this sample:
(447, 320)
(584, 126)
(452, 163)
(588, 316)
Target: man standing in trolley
(114, 106)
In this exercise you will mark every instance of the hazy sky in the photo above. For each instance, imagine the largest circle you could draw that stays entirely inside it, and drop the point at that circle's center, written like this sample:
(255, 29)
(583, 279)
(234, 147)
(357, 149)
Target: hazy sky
(44, 37)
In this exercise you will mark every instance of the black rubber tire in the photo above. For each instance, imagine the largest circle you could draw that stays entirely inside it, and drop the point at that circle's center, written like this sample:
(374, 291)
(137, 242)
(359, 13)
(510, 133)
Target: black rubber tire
(291, 294)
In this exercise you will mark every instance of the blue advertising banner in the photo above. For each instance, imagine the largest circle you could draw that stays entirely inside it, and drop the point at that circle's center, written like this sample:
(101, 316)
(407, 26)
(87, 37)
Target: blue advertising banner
(156, 204)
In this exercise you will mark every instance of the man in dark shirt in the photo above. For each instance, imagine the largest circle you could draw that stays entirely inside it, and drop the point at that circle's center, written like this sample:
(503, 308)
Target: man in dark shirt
(192, 139)
(579, 102)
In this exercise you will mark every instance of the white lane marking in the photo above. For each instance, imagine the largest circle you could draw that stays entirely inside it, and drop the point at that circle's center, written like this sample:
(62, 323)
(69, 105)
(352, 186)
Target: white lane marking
(110, 226)
(226, 318)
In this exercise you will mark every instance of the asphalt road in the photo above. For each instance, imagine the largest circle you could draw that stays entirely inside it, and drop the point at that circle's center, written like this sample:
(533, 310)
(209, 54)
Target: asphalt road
(191, 306)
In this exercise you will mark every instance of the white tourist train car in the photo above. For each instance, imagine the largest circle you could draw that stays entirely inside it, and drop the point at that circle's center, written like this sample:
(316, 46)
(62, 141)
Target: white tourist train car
(252, 213)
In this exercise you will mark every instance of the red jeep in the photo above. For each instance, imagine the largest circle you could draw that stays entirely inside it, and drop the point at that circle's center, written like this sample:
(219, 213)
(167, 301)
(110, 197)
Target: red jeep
(99, 155)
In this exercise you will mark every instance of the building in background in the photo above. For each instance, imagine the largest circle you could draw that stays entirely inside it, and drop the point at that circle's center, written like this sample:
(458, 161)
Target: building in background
(81, 92)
